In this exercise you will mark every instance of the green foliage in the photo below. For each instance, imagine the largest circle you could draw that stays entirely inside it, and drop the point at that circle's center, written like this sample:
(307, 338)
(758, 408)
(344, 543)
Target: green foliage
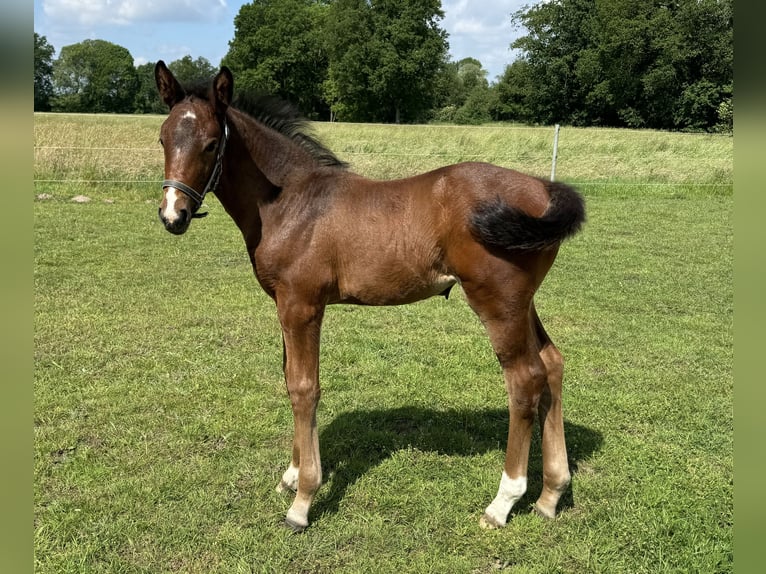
(622, 63)
(467, 96)
(654, 64)
(385, 58)
(515, 93)
(94, 76)
(277, 50)
(43, 73)
(187, 70)
(147, 97)
(725, 114)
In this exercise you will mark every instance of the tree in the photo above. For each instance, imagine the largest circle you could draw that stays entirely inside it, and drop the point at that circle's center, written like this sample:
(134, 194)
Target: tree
(472, 74)
(465, 93)
(385, 58)
(43, 73)
(515, 93)
(94, 76)
(147, 100)
(187, 70)
(708, 63)
(557, 33)
(668, 64)
(661, 63)
(277, 49)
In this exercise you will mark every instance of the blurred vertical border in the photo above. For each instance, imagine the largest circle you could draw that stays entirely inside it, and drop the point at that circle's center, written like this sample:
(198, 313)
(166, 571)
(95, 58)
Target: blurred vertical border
(749, 287)
(17, 297)
(16, 279)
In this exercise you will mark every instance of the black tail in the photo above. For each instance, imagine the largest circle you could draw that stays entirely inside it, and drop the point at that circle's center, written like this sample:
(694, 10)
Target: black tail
(497, 224)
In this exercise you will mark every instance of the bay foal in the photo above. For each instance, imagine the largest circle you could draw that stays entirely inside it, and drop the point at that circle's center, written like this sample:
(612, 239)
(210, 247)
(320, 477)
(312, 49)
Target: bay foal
(318, 234)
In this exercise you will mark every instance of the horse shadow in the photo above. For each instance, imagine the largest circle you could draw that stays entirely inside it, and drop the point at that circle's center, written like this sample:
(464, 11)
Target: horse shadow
(356, 441)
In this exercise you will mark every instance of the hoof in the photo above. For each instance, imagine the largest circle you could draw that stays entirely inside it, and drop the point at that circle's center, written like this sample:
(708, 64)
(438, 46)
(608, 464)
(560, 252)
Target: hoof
(294, 526)
(488, 522)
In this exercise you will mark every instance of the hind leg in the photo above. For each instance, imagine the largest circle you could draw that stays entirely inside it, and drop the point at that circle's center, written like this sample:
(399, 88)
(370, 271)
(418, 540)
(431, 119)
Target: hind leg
(524, 375)
(523, 394)
(507, 316)
(556, 476)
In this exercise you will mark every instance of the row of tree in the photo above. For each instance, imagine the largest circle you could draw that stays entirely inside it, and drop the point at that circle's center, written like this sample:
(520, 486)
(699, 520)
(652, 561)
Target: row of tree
(95, 76)
(664, 64)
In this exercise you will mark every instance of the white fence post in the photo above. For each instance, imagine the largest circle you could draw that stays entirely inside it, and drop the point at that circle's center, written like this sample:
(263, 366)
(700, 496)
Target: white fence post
(555, 151)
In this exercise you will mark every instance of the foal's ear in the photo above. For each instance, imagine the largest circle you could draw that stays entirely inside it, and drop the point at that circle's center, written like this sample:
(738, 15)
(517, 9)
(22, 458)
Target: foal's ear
(223, 89)
(170, 90)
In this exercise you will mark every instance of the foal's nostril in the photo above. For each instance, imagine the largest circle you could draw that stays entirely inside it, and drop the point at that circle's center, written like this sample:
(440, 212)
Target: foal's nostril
(177, 223)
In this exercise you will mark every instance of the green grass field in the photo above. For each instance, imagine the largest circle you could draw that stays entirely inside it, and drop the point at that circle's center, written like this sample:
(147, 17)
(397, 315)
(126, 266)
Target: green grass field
(162, 423)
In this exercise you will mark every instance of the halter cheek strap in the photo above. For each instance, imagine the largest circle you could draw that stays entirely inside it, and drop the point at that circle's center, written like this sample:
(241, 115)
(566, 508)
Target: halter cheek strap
(212, 182)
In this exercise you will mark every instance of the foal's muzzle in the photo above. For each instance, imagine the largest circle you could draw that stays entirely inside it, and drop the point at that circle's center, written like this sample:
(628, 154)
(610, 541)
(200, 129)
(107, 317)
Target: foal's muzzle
(179, 225)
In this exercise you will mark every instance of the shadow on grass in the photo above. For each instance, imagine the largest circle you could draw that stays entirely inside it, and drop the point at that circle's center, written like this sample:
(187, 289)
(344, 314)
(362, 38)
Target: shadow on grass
(355, 442)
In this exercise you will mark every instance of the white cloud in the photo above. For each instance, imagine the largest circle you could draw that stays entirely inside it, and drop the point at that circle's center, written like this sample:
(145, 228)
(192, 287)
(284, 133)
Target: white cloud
(89, 13)
(482, 30)
(469, 26)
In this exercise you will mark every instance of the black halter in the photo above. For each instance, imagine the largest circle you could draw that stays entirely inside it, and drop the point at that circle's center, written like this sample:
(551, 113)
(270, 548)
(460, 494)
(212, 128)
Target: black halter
(212, 183)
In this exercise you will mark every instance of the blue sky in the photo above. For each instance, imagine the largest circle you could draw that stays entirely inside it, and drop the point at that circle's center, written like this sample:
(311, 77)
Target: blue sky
(167, 30)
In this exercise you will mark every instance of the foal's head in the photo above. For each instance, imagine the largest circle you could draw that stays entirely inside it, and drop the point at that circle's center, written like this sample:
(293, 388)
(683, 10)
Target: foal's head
(193, 138)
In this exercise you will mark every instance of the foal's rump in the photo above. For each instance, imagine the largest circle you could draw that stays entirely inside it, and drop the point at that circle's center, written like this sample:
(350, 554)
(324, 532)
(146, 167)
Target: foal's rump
(514, 211)
(498, 224)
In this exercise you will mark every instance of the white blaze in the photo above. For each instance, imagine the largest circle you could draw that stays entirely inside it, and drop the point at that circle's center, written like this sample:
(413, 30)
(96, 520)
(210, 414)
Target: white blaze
(172, 195)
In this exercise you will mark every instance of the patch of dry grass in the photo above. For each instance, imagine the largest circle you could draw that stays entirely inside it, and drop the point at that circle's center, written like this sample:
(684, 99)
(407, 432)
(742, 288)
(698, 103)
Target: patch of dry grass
(120, 155)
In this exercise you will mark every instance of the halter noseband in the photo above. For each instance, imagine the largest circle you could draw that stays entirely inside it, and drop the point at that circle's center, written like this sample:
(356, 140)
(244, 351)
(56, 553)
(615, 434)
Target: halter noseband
(212, 183)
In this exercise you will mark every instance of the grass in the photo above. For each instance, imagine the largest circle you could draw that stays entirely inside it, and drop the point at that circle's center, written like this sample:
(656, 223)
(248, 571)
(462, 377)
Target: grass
(119, 157)
(162, 423)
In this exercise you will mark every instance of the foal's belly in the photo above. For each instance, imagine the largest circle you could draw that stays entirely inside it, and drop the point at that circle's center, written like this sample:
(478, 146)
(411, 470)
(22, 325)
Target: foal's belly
(394, 288)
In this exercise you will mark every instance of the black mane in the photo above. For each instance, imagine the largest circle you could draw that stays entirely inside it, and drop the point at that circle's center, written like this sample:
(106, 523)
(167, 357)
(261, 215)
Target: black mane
(279, 115)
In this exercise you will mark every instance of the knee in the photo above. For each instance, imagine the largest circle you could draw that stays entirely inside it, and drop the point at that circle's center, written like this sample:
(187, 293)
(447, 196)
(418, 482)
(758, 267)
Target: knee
(526, 385)
(304, 393)
(525, 405)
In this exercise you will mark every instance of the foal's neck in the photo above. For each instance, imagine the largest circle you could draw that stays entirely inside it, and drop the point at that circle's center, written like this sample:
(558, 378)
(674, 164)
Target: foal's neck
(275, 155)
(259, 165)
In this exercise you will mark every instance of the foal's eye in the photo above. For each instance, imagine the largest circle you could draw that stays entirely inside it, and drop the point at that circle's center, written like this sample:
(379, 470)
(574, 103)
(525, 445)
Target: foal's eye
(209, 148)
(162, 143)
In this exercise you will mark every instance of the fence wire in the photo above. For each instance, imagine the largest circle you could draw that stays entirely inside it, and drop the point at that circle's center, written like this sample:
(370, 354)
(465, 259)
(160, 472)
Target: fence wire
(98, 169)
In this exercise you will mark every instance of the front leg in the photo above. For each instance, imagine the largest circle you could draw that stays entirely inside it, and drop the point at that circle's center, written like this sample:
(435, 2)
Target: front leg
(301, 326)
(289, 482)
